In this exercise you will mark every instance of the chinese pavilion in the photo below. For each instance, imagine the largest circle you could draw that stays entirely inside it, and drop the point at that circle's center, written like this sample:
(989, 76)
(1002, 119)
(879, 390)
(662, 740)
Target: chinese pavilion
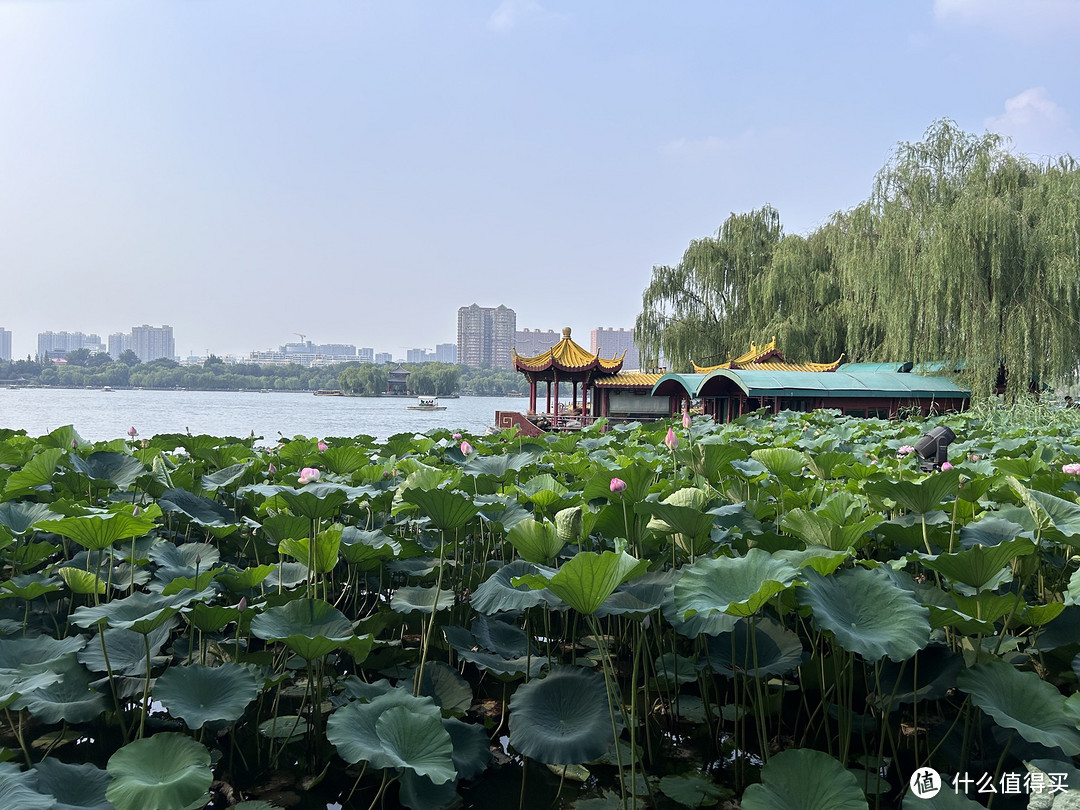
(565, 362)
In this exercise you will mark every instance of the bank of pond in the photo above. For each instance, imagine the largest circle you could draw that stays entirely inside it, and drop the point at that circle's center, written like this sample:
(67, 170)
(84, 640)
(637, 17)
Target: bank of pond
(788, 611)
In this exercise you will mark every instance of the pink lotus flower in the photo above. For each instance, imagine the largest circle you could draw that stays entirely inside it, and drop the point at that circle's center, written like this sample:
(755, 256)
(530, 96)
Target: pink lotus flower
(974, 456)
(309, 475)
(136, 511)
(617, 485)
(322, 447)
(132, 432)
(466, 448)
(1071, 469)
(671, 440)
(242, 604)
(904, 450)
(946, 466)
(686, 419)
(456, 437)
(271, 469)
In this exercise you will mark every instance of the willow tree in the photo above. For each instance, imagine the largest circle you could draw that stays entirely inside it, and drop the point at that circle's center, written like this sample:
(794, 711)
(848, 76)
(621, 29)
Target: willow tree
(967, 254)
(700, 310)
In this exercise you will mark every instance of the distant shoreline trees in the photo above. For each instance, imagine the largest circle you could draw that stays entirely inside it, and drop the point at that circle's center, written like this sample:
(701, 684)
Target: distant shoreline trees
(964, 253)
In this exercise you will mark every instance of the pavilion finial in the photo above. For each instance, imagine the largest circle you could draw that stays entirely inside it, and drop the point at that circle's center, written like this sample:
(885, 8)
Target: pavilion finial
(566, 332)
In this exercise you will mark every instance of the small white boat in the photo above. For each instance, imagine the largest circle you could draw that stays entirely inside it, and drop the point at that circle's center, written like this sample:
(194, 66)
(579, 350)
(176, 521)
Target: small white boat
(427, 404)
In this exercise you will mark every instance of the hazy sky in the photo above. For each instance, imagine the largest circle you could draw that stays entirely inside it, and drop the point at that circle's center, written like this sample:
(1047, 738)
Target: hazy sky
(356, 171)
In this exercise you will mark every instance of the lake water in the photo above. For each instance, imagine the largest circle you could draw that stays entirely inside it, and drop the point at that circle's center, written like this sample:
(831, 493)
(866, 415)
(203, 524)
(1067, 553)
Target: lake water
(102, 415)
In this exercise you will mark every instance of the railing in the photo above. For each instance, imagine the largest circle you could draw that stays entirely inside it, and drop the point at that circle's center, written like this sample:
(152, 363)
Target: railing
(540, 423)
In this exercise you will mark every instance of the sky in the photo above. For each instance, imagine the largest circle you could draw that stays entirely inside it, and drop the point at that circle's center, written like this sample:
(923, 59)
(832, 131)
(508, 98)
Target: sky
(357, 170)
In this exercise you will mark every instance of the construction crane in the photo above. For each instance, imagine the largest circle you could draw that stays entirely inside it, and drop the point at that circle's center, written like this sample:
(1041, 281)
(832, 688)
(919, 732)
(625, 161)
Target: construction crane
(300, 336)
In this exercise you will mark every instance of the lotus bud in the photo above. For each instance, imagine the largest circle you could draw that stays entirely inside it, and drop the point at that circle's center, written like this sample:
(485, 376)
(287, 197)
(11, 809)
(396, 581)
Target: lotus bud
(946, 466)
(242, 605)
(568, 524)
(385, 474)
(322, 446)
(671, 440)
(686, 419)
(466, 448)
(271, 469)
(74, 445)
(132, 432)
(456, 437)
(617, 485)
(198, 560)
(136, 511)
(308, 475)
(1071, 469)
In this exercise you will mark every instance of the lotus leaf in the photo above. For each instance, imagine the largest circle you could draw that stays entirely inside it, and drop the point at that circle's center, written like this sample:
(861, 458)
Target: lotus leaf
(587, 579)
(367, 549)
(561, 719)
(22, 652)
(472, 751)
(804, 779)
(424, 600)
(82, 582)
(978, 566)
(126, 649)
(29, 586)
(244, 580)
(498, 593)
(774, 650)
(141, 612)
(988, 531)
(867, 613)
(119, 469)
(446, 687)
(394, 730)
(167, 771)
(289, 727)
(501, 637)
(284, 526)
(327, 543)
(98, 532)
(202, 511)
(569, 523)
(37, 472)
(738, 586)
(75, 787)
(198, 694)
(1022, 701)
(448, 512)
(536, 541)
(19, 517)
(919, 497)
(69, 699)
(183, 560)
(780, 461)
(311, 628)
(692, 790)
(225, 476)
(17, 790)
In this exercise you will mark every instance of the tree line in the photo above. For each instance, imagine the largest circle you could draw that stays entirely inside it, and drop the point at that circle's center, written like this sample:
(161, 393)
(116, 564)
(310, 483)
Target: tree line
(964, 253)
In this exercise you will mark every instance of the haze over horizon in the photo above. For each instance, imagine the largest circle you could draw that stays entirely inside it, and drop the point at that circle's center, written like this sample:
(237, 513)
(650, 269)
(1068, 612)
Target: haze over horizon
(356, 171)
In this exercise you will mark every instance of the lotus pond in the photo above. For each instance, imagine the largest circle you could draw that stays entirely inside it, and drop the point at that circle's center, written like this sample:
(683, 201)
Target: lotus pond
(784, 612)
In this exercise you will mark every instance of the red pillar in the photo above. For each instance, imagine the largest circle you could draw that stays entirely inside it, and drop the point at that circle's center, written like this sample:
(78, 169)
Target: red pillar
(532, 396)
(549, 396)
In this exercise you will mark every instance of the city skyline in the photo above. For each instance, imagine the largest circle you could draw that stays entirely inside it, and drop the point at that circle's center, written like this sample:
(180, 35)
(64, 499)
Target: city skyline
(356, 171)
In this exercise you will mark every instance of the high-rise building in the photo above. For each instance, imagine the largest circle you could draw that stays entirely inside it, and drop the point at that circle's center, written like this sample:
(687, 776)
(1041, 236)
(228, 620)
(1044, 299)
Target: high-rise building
(446, 353)
(120, 343)
(382, 358)
(153, 342)
(609, 342)
(418, 356)
(529, 343)
(54, 345)
(306, 354)
(5, 344)
(486, 336)
(365, 355)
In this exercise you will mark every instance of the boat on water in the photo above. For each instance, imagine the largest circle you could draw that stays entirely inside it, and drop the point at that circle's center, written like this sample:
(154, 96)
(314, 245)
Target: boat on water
(329, 392)
(427, 404)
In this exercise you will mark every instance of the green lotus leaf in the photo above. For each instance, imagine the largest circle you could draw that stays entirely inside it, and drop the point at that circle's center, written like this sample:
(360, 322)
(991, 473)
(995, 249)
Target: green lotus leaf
(211, 618)
(1063, 515)
(21, 652)
(202, 511)
(19, 517)
(544, 490)
(714, 460)
(183, 560)
(936, 668)
(692, 790)
(367, 549)
(447, 510)
(126, 649)
(244, 580)
(311, 628)
(15, 683)
(427, 478)
(70, 699)
(979, 565)
(670, 518)
(446, 687)
(424, 600)
(225, 476)
(287, 727)
(738, 586)
(75, 787)
(17, 790)
(472, 751)
(946, 799)
(82, 582)
(198, 694)
(501, 637)
(638, 478)
(919, 497)
(141, 612)
(988, 531)
(120, 469)
(623, 602)
(327, 544)
(820, 558)
(804, 779)
(37, 472)
(536, 541)
(780, 460)
(773, 650)
(561, 719)
(167, 771)
(420, 793)
(411, 736)
(816, 529)
(29, 586)
(98, 532)
(345, 460)
(497, 466)
(867, 613)
(1022, 701)
(284, 526)
(569, 523)
(587, 579)
(498, 593)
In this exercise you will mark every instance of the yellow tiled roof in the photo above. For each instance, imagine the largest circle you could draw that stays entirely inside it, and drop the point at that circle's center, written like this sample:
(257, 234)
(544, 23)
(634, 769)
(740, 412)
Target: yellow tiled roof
(758, 359)
(756, 352)
(569, 356)
(628, 379)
